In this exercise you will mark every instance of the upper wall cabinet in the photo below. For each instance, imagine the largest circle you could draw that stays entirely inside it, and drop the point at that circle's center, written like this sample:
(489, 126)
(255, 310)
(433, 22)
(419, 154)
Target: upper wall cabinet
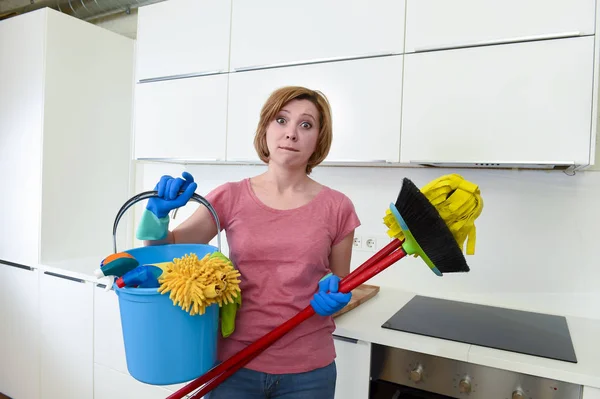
(523, 103)
(365, 98)
(275, 32)
(182, 119)
(183, 37)
(437, 24)
(65, 133)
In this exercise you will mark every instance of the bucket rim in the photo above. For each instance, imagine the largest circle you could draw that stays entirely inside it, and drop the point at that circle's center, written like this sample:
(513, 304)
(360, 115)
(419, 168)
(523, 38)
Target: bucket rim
(171, 246)
(136, 291)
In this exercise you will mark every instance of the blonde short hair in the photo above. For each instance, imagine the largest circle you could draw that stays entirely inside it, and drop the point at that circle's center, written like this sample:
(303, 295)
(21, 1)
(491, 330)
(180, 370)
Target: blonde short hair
(276, 101)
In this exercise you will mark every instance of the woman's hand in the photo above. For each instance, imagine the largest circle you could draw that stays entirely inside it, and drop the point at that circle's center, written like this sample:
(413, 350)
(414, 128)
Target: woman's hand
(328, 300)
(168, 194)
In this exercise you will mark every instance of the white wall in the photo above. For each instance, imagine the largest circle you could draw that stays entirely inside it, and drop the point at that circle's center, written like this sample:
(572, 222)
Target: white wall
(535, 235)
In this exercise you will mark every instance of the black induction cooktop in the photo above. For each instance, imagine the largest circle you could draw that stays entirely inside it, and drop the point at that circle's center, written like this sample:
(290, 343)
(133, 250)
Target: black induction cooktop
(493, 327)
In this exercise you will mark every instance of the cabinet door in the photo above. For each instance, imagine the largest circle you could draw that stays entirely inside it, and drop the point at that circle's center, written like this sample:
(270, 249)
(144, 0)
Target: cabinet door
(182, 119)
(21, 108)
(365, 98)
(272, 32)
(19, 332)
(109, 349)
(517, 103)
(66, 308)
(112, 384)
(353, 363)
(436, 24)
(183, 37)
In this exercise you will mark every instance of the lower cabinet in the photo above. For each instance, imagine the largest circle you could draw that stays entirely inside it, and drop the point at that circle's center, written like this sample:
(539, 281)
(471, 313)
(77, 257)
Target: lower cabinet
(353, 364)
(19, 332)
(66, 336)
(111, 377)
(113, 384)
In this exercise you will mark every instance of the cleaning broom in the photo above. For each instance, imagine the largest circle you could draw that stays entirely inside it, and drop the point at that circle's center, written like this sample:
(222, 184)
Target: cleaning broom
(425, 234)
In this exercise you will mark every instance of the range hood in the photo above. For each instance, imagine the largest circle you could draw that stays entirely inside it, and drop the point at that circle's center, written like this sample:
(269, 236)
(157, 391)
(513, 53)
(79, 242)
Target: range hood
(558, 165)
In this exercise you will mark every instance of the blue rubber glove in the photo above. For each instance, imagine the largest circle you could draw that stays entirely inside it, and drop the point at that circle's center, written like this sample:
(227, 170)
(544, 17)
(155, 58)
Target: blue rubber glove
(168, 198)
(328, 300)
(154, 224)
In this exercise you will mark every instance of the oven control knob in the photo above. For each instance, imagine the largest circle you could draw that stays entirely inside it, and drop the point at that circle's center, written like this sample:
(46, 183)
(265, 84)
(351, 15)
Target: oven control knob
(416, 374)
(464, 385)
(518, 394)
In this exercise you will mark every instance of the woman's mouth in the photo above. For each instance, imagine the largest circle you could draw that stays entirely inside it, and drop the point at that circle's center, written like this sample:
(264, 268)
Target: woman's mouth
(289, 149)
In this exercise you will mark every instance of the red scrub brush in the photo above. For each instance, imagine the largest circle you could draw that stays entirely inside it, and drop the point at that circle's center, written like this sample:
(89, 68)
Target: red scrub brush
(425, 234)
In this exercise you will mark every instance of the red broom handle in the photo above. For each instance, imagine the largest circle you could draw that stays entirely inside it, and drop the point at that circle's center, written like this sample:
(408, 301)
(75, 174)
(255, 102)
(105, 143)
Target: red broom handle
(218, 369)
(382, 253)
(244, 356)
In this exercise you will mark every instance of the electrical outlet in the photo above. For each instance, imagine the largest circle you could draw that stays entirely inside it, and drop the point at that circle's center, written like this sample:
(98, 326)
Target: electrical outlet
(357, 242)
(371, 243)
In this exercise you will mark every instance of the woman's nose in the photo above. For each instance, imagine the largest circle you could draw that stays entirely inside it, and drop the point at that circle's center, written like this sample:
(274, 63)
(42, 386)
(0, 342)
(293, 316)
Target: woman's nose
(291, 135)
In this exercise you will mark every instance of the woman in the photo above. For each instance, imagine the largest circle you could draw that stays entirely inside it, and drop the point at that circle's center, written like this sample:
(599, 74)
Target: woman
(285, 233)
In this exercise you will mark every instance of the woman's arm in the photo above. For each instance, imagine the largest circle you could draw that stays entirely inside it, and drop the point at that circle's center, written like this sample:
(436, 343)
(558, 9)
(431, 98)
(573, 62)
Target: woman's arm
(341, 254)
(199, 228)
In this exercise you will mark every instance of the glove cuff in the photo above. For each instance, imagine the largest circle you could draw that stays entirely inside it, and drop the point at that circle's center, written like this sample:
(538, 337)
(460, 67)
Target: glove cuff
(152, 227)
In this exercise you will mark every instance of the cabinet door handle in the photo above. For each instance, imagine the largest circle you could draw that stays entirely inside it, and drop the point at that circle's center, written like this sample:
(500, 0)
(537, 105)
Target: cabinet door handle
(182, 76)
(547, 36)
(311, 62)
(16, 265)
(78, 280)
(345, 339)
(355, 161)
(182, 160)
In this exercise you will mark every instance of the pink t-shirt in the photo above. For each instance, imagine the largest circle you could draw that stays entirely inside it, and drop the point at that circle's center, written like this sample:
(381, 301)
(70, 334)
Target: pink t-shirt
(281, 255)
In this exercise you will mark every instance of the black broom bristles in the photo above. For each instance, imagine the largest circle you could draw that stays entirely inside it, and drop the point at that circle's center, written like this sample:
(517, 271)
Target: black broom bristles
(429, 229)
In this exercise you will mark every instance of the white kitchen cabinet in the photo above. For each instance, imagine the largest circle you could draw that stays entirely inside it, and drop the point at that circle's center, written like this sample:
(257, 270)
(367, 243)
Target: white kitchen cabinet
(65, 128)
(182, 119)
(183, 37)
(66, 337)
(353, 363)
(109, 350)
(523, 104)
(19, 331)
(438, 24)
(275, 32)
(365, 98)
(113, 384)
(109, 353)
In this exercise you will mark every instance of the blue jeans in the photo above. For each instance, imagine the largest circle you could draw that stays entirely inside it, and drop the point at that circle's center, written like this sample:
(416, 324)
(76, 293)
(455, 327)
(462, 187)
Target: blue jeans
(250, 384)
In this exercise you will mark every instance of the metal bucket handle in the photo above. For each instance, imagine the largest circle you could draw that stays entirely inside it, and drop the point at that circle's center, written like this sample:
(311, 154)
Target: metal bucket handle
(149, 194)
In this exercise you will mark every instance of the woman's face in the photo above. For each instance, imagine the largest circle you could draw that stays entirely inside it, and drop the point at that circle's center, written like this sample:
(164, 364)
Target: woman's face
(292, 135)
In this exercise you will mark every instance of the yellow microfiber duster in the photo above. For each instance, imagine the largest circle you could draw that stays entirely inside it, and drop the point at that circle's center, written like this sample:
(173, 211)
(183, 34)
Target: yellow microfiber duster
(196, 283)
(459, 203)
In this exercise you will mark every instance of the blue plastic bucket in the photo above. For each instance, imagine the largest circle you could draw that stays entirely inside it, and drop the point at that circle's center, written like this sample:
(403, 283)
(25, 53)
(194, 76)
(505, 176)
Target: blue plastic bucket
(163, 344)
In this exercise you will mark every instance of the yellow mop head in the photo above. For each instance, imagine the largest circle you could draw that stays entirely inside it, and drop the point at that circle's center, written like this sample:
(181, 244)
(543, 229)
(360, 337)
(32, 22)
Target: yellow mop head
(196, 283)
(458, 202)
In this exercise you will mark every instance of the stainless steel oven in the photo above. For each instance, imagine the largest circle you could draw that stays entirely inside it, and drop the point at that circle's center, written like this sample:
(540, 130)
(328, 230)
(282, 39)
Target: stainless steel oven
(402, 374)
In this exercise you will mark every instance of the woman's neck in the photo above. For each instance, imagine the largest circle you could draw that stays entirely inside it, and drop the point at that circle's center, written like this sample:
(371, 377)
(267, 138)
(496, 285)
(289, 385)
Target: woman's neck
(285, 180)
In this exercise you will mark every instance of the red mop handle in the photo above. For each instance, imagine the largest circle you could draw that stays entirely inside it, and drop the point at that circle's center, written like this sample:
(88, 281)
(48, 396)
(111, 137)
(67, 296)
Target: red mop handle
(382, 253)
(244, 356)
(218, 369)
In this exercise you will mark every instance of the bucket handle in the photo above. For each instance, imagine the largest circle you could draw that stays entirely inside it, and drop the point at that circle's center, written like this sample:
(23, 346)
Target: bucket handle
(149, 194)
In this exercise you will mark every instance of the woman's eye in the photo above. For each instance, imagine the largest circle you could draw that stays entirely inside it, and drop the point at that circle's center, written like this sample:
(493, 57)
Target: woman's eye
(281, 121)
(306, 125)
